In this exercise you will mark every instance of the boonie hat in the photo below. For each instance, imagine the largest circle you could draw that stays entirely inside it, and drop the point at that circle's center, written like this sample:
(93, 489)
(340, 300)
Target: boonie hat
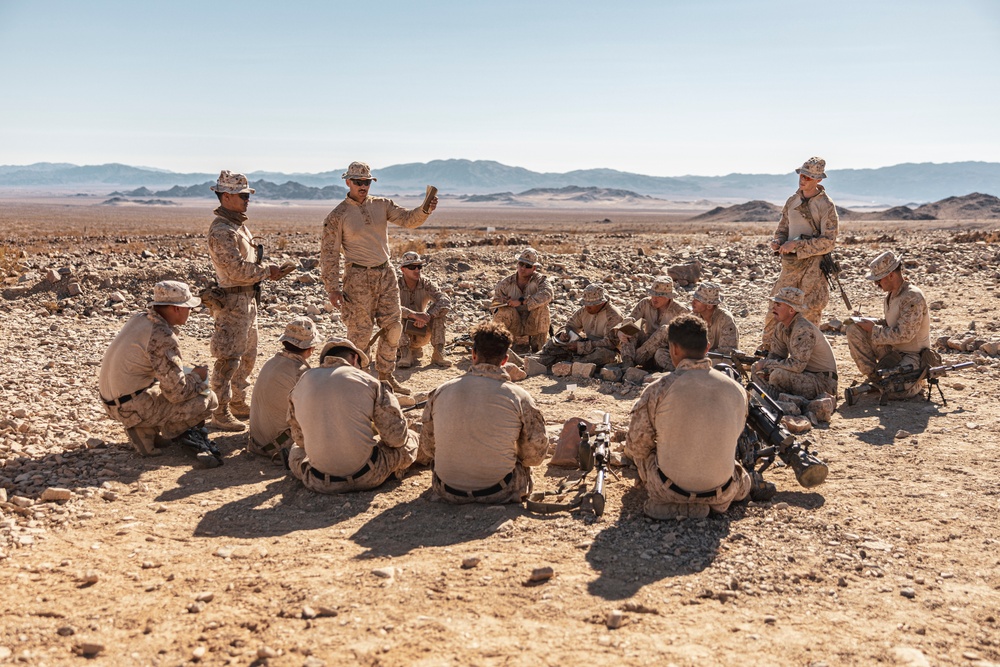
(528, 256)
(300, 332)
(792, 296)
(594, 295)
(708, 293)
(814, 167)
(410, 258)
(174, 293)
(344, 342)
(358, 170)
(662, 286)
(883, 265)
(231, 183)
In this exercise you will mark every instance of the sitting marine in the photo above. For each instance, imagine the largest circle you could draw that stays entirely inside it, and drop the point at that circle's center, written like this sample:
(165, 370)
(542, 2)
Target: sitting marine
(590, 335)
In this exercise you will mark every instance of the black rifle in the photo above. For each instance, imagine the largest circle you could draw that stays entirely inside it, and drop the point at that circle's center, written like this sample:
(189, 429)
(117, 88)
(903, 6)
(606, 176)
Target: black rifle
(257, 287)
(415, 406)
(828, 263)
(465, 340)
(740, 361)
(900, 379)
(594, 455)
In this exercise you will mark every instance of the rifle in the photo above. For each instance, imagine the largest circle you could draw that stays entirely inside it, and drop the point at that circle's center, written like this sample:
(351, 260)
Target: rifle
(465, 340)
(828, 264)
(901, 378)
(418, 404)
(593, 456)
(740, 361)
(257, 286)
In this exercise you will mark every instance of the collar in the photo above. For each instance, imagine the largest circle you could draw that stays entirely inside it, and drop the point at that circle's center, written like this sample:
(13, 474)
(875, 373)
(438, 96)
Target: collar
(357, 203)
(336, 361)
(156, 318)
(694, 364)
(231, 216)
(489, 371)
(294, 356)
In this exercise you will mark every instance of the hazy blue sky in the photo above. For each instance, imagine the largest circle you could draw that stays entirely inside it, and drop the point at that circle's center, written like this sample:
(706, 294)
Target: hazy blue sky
(663, 88)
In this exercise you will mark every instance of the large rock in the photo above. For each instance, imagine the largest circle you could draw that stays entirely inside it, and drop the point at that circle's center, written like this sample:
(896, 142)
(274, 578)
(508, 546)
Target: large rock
(533, 366)
(611, 374)
(685, 274)
(821, 408)
(635, 375)
(583, 370)
(562, 368)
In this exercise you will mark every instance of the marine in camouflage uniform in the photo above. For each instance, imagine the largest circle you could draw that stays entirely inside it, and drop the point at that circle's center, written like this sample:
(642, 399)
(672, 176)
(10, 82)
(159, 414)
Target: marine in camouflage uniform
(800, 361)
(683, 431)
(521, 301)
(723, 335)
(656, 311)
(269, 431)
(483, 432)
(807, 231)
(350, 433)
(142, 382)
(596, 326)
(425, 308)
(234, 307)
(358, 228)
(905, 329)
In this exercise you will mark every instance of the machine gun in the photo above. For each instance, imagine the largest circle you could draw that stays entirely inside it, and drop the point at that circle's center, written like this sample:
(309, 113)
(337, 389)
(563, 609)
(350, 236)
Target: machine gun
(764, 438)
(594, 455)
(465, 340)
(901, 378)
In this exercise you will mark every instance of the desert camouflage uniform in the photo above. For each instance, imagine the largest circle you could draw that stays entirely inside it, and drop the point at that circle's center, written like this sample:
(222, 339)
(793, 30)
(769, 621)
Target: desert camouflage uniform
(800, 362)
(234, 338)
(269, 405)
(340, 416)
(801, 269)
(416, 301)
(146, 353)
(371, 293)
(906, 329)
(684, 427)
(648, 343)
(601, 344)
(723, 336)
(530, 319)
(478, 428)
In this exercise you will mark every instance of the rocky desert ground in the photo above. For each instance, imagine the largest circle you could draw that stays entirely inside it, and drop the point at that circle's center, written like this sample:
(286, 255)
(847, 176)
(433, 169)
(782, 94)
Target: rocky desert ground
(109, 558)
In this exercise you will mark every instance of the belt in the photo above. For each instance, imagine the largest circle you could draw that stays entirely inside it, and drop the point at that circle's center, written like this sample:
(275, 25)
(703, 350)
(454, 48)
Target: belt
(704, 494)
(334, 478)
(370, 268)
(496, 488)
(238, 290)
(122, 400)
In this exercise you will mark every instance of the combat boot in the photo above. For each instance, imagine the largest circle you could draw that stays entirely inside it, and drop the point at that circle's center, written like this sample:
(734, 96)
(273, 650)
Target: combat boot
(405, 357)
(144, 440)
(223, 420)
(439, 359)
(397, 388)
(240, 409)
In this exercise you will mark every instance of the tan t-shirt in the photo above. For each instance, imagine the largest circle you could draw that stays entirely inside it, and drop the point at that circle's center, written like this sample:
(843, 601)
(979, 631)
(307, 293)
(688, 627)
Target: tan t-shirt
(269, 404)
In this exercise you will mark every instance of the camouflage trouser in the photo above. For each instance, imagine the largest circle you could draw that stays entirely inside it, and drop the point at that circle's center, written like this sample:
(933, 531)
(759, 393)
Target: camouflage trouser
(516, 491)
(234, 347)
(810, 280)
(552, 353)
(804, 384)
(534, 323)
(372, 296)
(433, 333)
(640, 353)
(151, 410)
(867, 356)
(389, 460)
(664, 503)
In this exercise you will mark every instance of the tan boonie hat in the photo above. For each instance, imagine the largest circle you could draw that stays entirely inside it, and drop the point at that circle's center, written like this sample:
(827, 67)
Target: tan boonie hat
(358, 170)
(883, 265)
(174, 293)
(528, 256)
(300, 332)
(594, 295)
(344, 342)
(814, 167)
(410, 258)
(231, 183)
(792, 296)
(662, 286)
(709, 294)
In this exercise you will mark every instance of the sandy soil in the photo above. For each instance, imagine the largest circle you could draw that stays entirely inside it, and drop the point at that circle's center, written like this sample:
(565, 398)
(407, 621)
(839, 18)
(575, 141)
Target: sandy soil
(892, 561)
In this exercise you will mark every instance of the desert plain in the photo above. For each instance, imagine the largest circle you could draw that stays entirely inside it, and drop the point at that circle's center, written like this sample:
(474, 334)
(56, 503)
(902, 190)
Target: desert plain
(110, 558)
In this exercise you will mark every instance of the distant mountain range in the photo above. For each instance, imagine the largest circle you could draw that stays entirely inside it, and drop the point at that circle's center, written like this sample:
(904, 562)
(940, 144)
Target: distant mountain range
(899, 184)
(264, 190)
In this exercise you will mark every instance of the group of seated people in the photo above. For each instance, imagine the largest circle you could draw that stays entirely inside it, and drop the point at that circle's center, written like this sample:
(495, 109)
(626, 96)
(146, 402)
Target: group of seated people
(339, 429)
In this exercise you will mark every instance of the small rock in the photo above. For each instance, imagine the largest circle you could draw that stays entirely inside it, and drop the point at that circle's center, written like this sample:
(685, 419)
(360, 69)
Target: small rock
(534, 367)
(562, 368)
(582, 370)
(541, 574)
(470, 562)
(266, 652)
(796, 425)
(204, 596)
(635, 375)
(614, 619)
(384, 572)
(21, 501)
(56, 494)
(66, 631)
(73, 289)
(199, 652)
(908, 593)
(90, 577)
(196, 607)
(89, 648)
(224, 552)
(770, 620)
(907, 656)
(841, 582)
(308, 612)
(902, 433)
(108, 495)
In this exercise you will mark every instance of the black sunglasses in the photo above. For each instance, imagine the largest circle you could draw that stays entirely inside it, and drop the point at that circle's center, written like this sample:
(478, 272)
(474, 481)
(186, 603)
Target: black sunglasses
(525, 265)
(414, 267)
(245, 196)
(362, 181)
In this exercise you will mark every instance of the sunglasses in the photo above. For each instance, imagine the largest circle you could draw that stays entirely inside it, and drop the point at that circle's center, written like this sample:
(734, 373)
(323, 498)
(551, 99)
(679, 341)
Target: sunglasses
(525, 265)
(361, 181)
(414, 267)
(245, 196)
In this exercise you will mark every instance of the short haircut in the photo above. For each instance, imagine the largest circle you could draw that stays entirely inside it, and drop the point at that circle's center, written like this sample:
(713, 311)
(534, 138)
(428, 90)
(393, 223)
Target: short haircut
(293, 348)
(689, 333)
(490, 342)
(344, 353)
(219, 195)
